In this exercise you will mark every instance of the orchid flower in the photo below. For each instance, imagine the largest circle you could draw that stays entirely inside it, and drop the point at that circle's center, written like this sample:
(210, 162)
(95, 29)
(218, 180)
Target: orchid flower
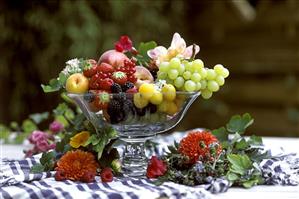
(177, 49)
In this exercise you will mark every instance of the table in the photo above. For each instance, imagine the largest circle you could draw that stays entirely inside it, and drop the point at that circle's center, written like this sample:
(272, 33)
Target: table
(273, 192)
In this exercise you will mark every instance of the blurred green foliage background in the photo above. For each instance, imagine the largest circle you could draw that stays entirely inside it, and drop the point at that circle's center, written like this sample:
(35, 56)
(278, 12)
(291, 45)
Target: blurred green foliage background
(37, 37)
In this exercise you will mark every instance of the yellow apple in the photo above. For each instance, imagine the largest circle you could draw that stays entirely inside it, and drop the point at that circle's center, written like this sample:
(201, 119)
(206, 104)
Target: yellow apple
(76, 83)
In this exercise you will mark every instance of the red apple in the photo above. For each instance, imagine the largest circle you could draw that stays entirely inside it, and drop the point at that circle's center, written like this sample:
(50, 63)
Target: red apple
(114, 58)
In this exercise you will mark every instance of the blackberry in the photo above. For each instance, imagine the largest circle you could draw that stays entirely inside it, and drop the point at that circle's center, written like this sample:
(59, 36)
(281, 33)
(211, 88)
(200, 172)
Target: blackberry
(89, 97)
(114, 107)
(116, 88)
(128, 108)
(127, 86)
(151, 108)
(121, 97)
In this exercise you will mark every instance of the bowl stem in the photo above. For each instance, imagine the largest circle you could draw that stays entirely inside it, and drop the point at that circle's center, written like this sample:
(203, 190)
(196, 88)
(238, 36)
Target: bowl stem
(134, 161)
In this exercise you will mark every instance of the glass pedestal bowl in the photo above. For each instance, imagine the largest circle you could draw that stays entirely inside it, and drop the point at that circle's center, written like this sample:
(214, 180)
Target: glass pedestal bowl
(135, 125)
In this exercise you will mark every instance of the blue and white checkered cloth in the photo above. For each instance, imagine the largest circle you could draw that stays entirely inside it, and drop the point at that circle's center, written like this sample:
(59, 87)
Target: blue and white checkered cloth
(16, 181)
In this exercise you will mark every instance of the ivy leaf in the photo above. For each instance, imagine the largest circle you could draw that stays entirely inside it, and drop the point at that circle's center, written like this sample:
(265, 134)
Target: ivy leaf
(37, 168)
(239, 163)
(54, 85)
(250, 183)
(62, 79)
(144, 47)
(47, 160)
(242, 144)
(239, 123)
(221, 134)
(255, 140)
(39, 117)
(60, 109)
(232, 176)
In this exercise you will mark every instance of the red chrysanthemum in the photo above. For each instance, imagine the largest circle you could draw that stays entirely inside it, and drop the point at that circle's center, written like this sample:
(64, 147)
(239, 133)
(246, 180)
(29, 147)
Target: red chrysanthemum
(200, 145)
(75, 165)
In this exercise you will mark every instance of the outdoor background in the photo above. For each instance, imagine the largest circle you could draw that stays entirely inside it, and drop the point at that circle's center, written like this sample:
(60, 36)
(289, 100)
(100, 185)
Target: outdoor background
(258, 40)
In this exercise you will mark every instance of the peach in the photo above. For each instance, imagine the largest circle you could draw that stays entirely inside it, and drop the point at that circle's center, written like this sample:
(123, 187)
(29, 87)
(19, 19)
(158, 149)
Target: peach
(114, 58)
(143, 75)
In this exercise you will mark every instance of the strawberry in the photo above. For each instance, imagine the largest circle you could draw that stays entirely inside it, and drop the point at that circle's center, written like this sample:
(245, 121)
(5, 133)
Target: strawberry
(119, 77)
(105, 68)
(106, 84)
(90, 68)
(90, 71)
(101, 100)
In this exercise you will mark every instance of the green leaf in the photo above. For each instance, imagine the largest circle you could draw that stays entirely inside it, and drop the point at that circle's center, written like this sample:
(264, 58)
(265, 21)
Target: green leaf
(14, 125)
(28, 126)
(37, 168)
(239, 163)
(255, 140)
(250, 183)
(60, 109)
(242, 144)
(221, 134)
(232, 176)
(62, 78)
(39, 117)
(93, 139)
(54, 85)
(47, 158)
(144, 47)
(239, 123)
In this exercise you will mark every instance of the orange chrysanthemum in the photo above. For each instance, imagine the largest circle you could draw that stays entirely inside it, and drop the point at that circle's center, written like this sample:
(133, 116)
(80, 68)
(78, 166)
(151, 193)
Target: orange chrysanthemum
(75, 164)
(198, 146)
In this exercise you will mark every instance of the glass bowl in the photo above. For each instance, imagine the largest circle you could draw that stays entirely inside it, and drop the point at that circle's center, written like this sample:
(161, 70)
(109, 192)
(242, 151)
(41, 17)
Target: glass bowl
(134, 125)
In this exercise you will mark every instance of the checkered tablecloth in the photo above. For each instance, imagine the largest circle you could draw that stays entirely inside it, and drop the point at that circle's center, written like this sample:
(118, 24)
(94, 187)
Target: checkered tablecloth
(17, 182)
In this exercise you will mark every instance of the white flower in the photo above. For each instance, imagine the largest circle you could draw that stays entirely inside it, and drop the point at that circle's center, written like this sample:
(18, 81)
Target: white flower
(177, 49)
(72, 66)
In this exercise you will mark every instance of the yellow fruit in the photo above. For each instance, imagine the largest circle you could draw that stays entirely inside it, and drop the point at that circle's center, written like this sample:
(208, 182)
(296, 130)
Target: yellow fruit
(147, 90)
(162, 107)
(140, 101)
(76, 83)
(169, 92)
(171, 108)
(156, 98)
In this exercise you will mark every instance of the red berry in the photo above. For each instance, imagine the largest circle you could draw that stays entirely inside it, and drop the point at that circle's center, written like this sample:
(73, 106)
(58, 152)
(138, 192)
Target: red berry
(105, 84)
(94, 82)
(60, 175)
(105, 68)
(106, 175)
(88, 177)
(119, 77)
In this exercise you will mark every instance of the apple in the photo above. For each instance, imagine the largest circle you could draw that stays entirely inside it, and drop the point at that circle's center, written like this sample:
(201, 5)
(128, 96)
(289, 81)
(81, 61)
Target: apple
(114, 58)
(77, 83)
(143, 75)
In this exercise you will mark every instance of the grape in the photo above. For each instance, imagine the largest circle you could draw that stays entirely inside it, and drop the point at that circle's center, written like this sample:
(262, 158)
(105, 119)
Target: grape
(181, 69)
(198, 86)
(213, 86)
(197, 65)
(161, 75)
(220, 80)
(203, 72)
(179, 82)
(164, 67)
(218, 69)
(211, 74)
(187, 75)
(173, 73)
(175, 63)
(206, 94)
(203, 84)
(190, 86)
(225, 73)
(189, 67)
(195, 77)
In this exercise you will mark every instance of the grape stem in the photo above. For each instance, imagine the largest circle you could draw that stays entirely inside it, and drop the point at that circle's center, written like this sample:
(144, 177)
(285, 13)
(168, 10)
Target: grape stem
(193, 52)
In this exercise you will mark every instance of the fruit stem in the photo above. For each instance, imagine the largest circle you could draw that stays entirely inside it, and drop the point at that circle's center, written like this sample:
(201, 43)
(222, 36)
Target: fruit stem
(193, 52)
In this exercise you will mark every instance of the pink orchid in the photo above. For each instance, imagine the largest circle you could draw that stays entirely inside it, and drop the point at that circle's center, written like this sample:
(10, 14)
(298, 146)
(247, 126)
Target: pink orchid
(177, 49)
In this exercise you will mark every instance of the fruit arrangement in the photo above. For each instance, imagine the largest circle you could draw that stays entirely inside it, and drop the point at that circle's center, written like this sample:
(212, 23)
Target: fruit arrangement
(125, 82)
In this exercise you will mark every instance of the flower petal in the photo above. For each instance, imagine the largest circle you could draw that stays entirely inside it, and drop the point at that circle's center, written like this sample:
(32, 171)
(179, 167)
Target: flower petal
(157, 52)
(188, 51)
(178, 43)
